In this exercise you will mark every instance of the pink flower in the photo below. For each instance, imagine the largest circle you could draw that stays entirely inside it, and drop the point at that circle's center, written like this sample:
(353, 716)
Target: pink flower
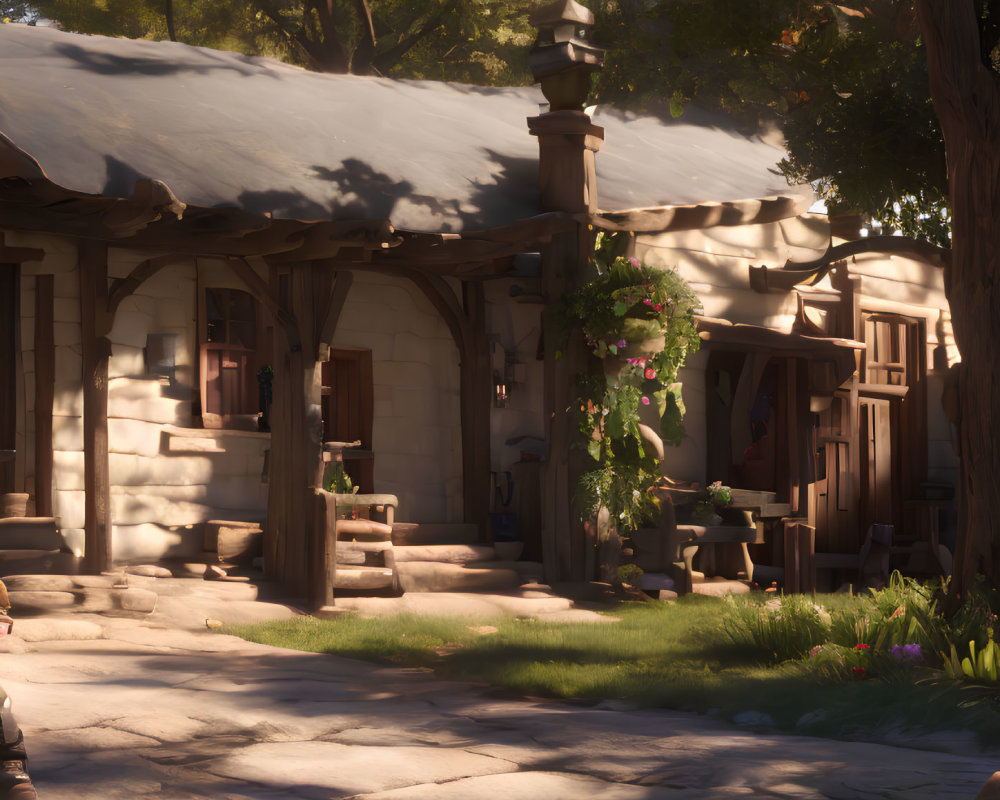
(647, 302)
(622, 343)
(650, 373)
(658, 306)
(634, 262)
(645, 400)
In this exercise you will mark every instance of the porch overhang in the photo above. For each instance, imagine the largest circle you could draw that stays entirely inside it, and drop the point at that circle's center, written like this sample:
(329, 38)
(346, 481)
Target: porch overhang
(832, 360)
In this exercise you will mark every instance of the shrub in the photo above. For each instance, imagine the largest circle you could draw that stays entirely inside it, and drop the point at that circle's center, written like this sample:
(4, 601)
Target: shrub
(778, 629)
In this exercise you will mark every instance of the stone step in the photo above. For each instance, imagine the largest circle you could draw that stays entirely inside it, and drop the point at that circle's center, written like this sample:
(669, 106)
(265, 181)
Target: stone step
(430, 576)
(363, 577)
(25, 562)
(421, 533)
(367, 528)
(365, 553)
(30, 533)
(445, 553)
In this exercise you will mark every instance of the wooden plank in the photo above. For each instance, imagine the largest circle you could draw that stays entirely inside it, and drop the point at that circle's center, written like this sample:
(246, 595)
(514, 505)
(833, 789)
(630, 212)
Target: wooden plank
(45, 376)
(95, 324)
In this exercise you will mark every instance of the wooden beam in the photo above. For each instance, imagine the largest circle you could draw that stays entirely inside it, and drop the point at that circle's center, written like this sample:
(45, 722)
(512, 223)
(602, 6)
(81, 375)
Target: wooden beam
(334, 306)
(124, 287)
(261, 291)
(10, 318)
(45, 377)
(95, 324)
(443, 299)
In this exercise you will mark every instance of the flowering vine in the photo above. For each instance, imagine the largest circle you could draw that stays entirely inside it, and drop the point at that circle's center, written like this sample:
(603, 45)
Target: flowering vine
(638, 322)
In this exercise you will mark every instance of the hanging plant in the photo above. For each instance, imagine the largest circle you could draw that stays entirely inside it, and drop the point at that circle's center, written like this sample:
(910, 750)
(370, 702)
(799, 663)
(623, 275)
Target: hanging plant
(638, 322)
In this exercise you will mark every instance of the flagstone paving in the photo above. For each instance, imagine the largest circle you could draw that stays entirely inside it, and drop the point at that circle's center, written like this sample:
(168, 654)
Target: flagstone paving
(135, 706)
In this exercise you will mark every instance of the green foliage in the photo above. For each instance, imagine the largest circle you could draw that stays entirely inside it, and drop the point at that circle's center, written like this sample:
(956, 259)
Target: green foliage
(982, 665)
(476, 41)
(339, 482)
(629, 573)
(673, 655)
(775, 629)
(846, 84)
(638, 322)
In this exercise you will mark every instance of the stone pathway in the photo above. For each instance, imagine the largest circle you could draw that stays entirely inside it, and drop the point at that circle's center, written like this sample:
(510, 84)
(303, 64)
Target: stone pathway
(128, 705)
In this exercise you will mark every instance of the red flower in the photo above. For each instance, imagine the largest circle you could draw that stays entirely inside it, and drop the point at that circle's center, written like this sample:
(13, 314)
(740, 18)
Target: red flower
(862, 646)
(650, 373)
(859, 673)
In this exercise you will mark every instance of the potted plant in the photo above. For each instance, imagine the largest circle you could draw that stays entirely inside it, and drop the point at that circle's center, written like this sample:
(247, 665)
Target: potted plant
(638, 323)
(708, 511)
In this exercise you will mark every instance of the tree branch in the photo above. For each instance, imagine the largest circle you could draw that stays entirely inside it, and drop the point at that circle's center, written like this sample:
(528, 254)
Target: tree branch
(388, 59)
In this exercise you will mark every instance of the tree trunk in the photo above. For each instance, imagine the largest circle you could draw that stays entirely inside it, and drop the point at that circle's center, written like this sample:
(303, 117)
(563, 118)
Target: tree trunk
(967, 101)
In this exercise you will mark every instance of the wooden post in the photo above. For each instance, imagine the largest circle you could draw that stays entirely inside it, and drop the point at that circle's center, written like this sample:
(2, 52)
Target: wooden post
(476, 402)
(10, 319)
(567, 142)
(45, 376)
(95, 324)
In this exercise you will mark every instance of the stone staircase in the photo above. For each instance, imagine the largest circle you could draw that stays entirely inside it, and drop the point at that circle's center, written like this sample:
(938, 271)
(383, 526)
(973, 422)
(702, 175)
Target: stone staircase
(449, 557)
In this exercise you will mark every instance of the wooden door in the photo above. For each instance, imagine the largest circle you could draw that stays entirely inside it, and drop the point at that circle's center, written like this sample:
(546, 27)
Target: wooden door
(892, 419)
(835, 486)
(348, 410)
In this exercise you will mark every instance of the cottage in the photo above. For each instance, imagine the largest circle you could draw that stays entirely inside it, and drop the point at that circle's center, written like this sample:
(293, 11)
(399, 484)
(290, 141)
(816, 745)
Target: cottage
(212, 264)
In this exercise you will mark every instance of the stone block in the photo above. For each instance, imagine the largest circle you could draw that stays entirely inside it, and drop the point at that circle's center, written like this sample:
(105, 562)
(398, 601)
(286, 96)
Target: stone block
(233, 540)
(153, 542)
(28, 602)
(47, 630)
(134, 436)
(68, 366)
(149, 571)
(68, 506)
(402, 373)
(66, 333)
(132, 470)
(126, 361)
(39, 583)
(67, 469)
(131, 328)
(68, 400)
(29, 533)
(139, 600)
(424, 576)
(93, 581)
(448, 553)
(67, 433)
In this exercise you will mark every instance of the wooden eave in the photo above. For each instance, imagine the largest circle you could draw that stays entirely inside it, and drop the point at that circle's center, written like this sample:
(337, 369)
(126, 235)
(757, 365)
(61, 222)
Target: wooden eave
(765, 279)
(665, 219)
(153, 219)
(756, 338)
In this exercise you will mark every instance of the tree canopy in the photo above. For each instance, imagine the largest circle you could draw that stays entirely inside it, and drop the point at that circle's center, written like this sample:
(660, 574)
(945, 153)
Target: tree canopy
(476, 41)
(845, 82)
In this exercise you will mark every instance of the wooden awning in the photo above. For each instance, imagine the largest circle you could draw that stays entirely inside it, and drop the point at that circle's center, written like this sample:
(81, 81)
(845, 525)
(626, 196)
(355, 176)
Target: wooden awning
(838, 353)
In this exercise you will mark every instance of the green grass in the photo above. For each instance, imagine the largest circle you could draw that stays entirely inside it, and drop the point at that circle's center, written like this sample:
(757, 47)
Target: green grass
(674, 655)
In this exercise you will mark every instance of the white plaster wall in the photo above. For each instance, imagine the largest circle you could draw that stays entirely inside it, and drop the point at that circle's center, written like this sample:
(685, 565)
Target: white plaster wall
(159, 496)
(416, 436)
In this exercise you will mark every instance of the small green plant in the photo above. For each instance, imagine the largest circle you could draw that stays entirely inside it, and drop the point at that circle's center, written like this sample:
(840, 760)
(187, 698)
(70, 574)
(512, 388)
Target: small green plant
(778, 629)
(339, 482)
(629, 574)
(982, 665)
